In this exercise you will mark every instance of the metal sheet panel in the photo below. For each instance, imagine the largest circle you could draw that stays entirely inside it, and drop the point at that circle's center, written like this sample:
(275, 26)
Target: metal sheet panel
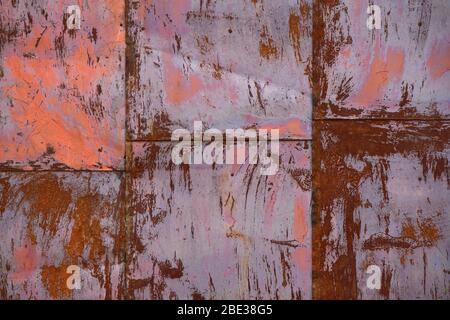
(381, 193)
(219, 232)
(397, 71)
(50, 221)
(157, 230)
(62, 102)
(233, 64)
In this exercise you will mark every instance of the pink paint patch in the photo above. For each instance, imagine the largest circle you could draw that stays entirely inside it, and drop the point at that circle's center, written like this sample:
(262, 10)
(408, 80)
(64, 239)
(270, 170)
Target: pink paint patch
(292, 127)
(302, 258)
(439, 61)
(300, 225)
(179, 88)
(383, 70)
(228, 216)
(26, 260)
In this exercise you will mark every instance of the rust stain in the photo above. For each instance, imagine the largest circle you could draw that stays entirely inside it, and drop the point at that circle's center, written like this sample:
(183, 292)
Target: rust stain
(386, 279)
(53, 220)
(398, 72)
(294, 35)
(169, 271)
(54, 279)
(326, 45)
(218, 71)
(204, 44)
(86, 231)
(45, 210)
(201, 58)
(218, 225)
(267, 46)
(429, 231)
(5, 188)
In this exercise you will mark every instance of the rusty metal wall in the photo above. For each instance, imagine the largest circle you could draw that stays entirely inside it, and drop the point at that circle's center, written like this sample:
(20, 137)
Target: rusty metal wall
(62, 121)
(225, 231)
(382, 199)
(381, 150)
(231, 64)
(87, 179)
(219, 232)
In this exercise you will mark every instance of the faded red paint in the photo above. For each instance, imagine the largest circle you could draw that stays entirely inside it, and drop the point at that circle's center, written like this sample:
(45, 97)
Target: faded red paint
(26, 260)
(178, 88)
(382, 72)
(439, 61)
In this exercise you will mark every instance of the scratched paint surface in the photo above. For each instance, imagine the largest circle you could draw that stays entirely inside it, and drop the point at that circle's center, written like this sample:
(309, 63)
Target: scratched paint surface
(233, 64)
(62, 102)
(222, 232)
(398, 71)
(49, 221)
(382, 195)
(156, 230)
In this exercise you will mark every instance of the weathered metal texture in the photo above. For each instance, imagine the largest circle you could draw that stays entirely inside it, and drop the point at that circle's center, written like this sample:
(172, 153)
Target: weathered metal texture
(62, 102)
(398, 71)
(163, 231)
(219, 232)
(49, 221)
(231, 64)
(382, 197)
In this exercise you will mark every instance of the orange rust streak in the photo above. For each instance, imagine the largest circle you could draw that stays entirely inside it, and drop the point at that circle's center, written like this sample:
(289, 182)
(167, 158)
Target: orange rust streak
(294, 35)
(54, 279)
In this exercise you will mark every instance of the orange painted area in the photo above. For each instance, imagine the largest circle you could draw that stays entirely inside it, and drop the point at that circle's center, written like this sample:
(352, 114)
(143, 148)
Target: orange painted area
(301, 255)
(179, 88)
(292, 127)
(383, 70)
(178, 10)
(47, 119)
(51, 87)
(300, 221)
(114, 30)
(81, 75)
